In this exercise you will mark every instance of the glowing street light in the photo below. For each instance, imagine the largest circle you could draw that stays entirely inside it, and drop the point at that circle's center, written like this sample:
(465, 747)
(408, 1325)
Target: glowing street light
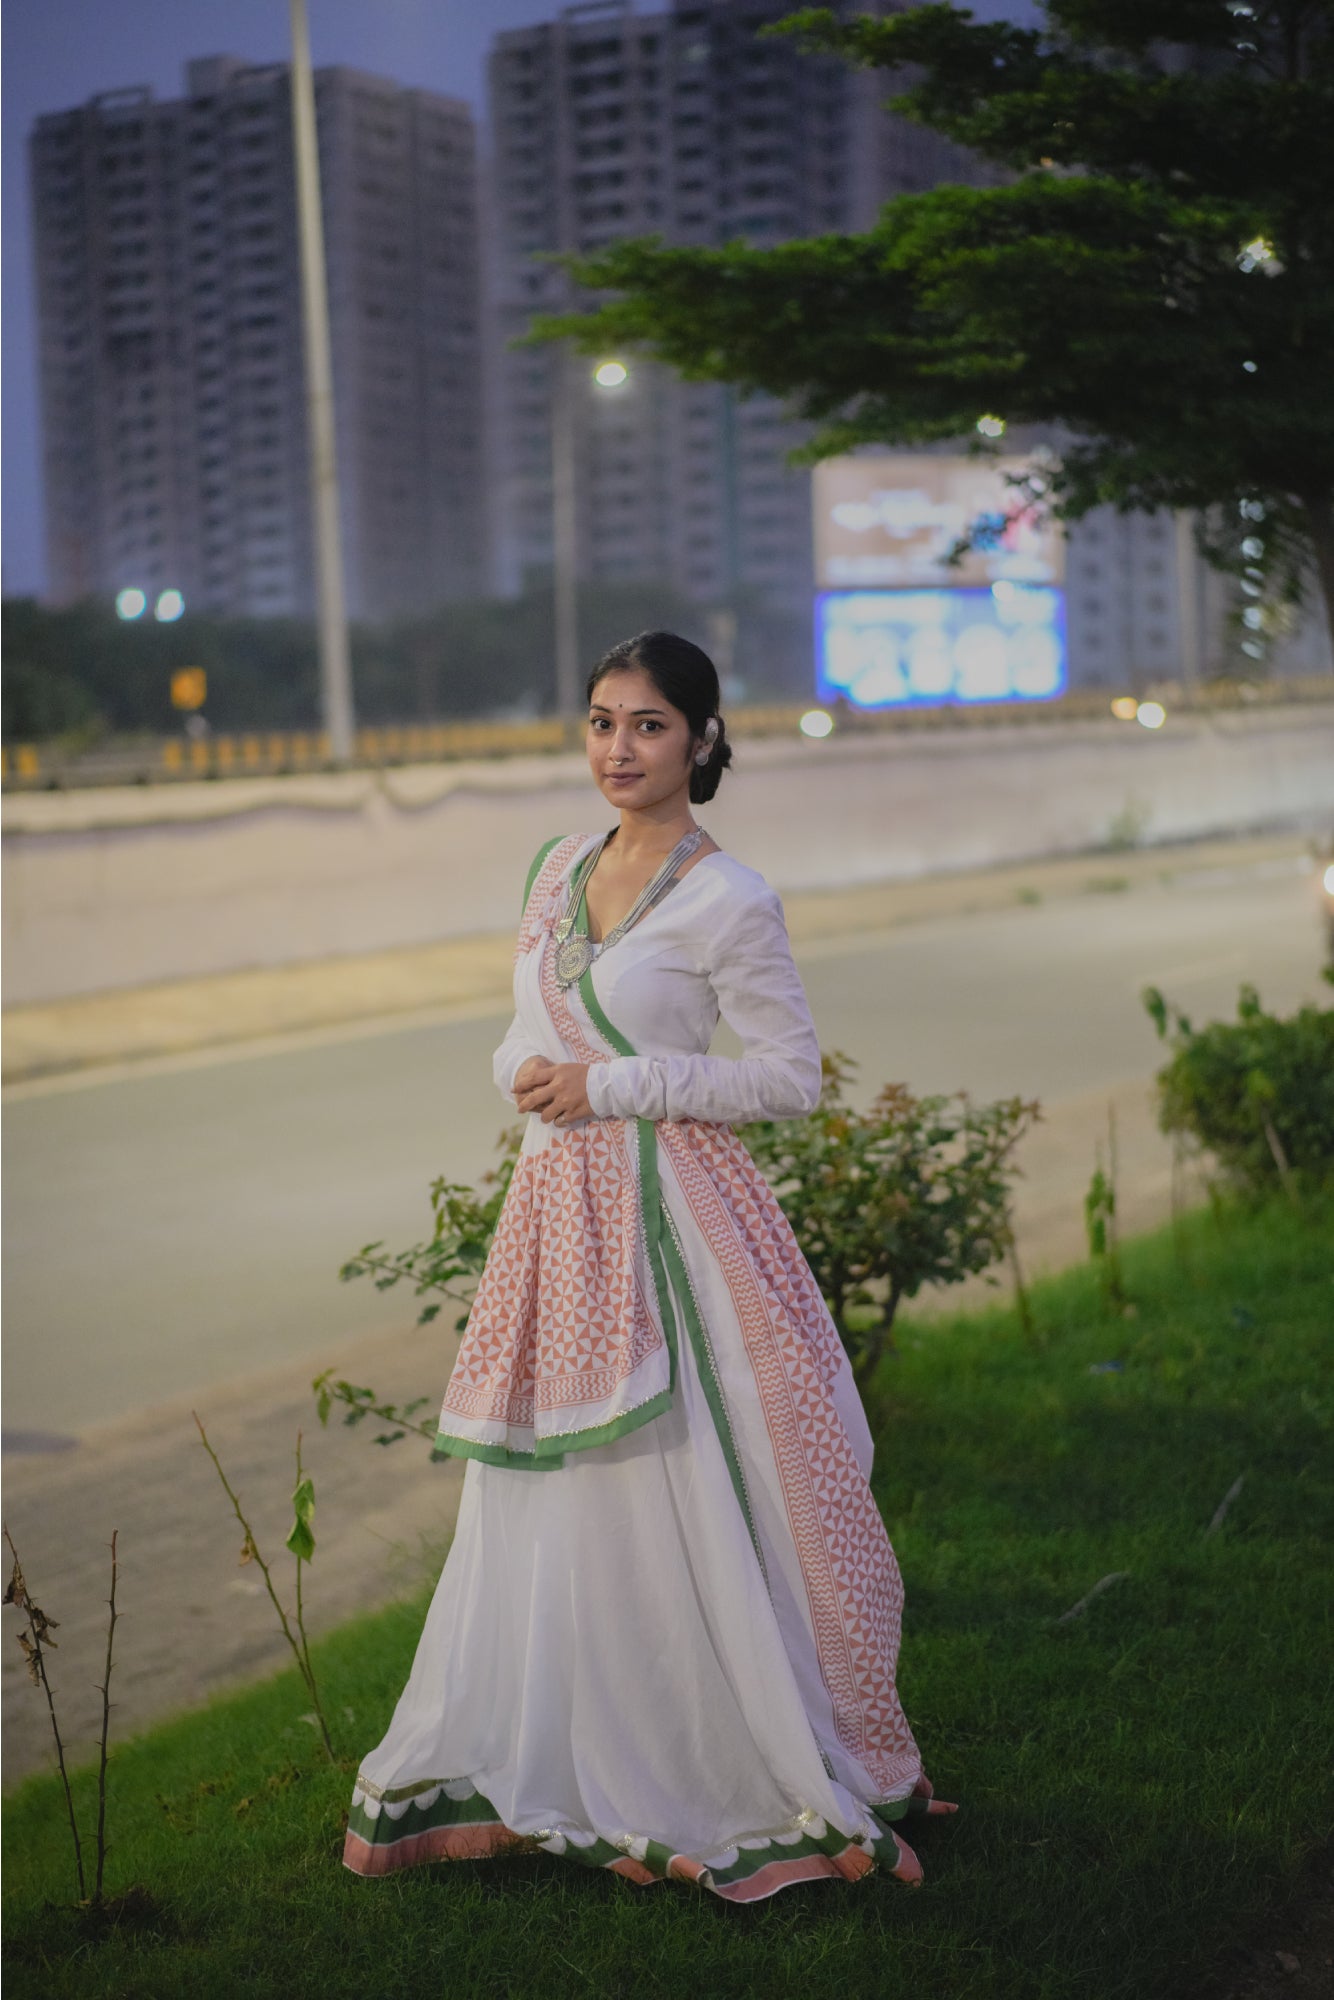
(1125, 708)
(169, 607)
(816, 722)
(1151, 714)
(991, 427)
(131, 604)
(609, 376)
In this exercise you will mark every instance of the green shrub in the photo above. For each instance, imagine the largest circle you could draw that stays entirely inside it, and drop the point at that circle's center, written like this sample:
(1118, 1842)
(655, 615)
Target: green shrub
(913, 1191)
(1257, 1092)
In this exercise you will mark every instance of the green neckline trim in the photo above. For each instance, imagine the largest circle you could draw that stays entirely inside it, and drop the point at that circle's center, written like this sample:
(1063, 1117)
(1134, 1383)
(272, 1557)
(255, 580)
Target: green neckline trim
(702, 1348)
(676, 1296)
(540, 857)
(650, 1190)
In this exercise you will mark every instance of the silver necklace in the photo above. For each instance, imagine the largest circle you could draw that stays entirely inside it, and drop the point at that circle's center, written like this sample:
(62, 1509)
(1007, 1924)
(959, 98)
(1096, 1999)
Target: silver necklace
(575, 950)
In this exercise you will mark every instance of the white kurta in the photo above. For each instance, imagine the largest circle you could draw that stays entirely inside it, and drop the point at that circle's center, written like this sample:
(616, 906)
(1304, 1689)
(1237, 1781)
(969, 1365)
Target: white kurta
(670, 1653)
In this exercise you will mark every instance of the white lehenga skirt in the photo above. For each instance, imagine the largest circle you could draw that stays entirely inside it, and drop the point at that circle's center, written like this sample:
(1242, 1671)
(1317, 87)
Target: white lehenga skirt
(617, 1666)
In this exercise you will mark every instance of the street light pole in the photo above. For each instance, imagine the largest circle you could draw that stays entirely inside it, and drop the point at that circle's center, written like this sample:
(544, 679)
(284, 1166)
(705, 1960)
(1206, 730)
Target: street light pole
(564, 538)
(335, 664)
(609, 377)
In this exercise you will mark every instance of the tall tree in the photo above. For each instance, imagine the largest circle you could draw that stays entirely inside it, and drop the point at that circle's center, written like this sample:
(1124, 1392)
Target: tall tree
(1153, 276)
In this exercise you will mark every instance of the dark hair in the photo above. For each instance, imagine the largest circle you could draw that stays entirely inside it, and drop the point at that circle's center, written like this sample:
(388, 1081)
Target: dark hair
(686, 677)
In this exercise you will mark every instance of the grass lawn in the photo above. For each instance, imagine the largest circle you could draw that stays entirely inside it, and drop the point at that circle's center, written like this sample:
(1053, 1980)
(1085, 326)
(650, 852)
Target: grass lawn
(1139, 1787)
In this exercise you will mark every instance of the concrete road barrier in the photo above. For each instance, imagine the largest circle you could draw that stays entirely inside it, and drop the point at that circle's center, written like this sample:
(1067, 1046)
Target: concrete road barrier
(119, 887)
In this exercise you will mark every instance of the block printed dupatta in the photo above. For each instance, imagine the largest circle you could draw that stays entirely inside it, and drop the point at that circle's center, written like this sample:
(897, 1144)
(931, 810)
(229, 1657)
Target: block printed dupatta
(573, 1337)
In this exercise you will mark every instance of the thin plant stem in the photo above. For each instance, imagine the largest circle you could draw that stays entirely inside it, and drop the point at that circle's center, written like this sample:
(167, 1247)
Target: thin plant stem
(106, 1726)
(1021, 1298)
(1113, 1224)
(21, 1597)
(1177, 1201)
(252, 1548)
(301, 1629)
(1285, 1173)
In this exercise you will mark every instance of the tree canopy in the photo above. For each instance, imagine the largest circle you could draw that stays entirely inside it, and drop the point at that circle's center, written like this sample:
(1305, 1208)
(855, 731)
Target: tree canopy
(1152, 276)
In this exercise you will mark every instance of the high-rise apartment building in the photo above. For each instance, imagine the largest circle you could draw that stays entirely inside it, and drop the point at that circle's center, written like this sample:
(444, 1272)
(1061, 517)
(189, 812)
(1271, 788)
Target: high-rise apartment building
(687, 123)
(174, 432)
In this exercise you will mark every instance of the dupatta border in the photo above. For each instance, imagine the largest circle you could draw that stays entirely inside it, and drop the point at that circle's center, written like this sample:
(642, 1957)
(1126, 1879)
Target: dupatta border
(671, 1277)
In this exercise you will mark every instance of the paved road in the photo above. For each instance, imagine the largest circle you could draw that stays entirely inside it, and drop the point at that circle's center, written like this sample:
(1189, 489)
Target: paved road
(174, 1230)
(173, 1237)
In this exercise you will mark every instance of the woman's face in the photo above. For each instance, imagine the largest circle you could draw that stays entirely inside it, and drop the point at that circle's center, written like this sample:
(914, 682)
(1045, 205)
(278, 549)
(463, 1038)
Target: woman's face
(639, 746)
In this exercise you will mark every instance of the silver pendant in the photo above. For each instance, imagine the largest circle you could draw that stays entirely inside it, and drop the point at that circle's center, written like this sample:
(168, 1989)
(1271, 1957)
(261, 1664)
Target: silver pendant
(574, 955)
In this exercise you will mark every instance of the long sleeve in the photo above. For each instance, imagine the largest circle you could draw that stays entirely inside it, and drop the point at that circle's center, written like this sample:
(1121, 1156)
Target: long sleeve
(760, 996)
(510, 1058)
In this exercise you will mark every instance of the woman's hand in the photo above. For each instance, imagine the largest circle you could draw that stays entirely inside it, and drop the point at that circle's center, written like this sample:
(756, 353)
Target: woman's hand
(558, 1092)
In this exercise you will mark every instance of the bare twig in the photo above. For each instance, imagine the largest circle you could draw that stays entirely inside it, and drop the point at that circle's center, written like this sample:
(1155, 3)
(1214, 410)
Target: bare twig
(1220, 1511)
(1103, 1583)
(32, 1643)
(106, 1726)
(250, 1553)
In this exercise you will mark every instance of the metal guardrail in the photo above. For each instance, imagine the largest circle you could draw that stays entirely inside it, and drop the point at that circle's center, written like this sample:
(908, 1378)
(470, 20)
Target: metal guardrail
(274, 753)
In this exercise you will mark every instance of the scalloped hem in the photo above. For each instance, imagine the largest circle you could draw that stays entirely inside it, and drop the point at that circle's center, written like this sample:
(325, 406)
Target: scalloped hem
(451, 1821)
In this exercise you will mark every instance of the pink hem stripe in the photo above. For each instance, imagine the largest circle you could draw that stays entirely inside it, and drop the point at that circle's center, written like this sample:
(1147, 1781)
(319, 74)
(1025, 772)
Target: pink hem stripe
(476, 1842)
(633, 1871)
(776, 1875)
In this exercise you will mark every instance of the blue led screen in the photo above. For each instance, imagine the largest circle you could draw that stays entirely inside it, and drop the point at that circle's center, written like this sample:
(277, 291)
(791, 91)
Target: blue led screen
(884, 648)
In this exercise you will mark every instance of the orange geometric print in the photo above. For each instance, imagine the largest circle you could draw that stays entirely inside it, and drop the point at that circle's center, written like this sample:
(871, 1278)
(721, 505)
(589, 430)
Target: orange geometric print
(853, 1586)
(852, 1579)
(559, 1318)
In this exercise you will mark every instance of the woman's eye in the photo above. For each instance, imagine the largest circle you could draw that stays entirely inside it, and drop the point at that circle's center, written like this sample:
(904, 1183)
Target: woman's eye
(652, 725)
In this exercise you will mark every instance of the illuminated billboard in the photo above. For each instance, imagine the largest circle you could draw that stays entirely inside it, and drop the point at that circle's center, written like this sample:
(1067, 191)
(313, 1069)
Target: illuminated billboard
(896, 623)
(888, 521)
(883, 648)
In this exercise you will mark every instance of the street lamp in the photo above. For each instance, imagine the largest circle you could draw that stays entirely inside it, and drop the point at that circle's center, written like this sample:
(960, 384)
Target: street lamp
(609, 376)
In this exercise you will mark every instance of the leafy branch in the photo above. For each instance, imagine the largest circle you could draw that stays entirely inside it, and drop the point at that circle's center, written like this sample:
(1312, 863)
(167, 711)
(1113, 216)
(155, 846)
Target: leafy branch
(465, 1221)
(362, 1403)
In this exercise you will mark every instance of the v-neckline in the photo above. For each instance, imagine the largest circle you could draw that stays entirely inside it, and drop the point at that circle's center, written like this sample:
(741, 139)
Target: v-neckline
(582, 910)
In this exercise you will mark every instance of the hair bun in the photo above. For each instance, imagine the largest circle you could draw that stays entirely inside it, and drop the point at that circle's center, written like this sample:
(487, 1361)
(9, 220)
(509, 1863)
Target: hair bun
(705, 778)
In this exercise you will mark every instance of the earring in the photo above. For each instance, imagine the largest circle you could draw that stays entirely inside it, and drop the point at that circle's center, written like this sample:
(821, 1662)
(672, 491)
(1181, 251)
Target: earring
(702, 756)
(710, 738)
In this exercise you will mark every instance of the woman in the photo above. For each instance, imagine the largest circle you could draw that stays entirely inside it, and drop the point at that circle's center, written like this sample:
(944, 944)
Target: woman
(665, 1638)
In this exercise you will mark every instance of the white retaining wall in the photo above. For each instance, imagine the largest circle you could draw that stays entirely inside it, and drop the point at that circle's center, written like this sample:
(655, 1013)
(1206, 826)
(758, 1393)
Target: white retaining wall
(120, 887)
